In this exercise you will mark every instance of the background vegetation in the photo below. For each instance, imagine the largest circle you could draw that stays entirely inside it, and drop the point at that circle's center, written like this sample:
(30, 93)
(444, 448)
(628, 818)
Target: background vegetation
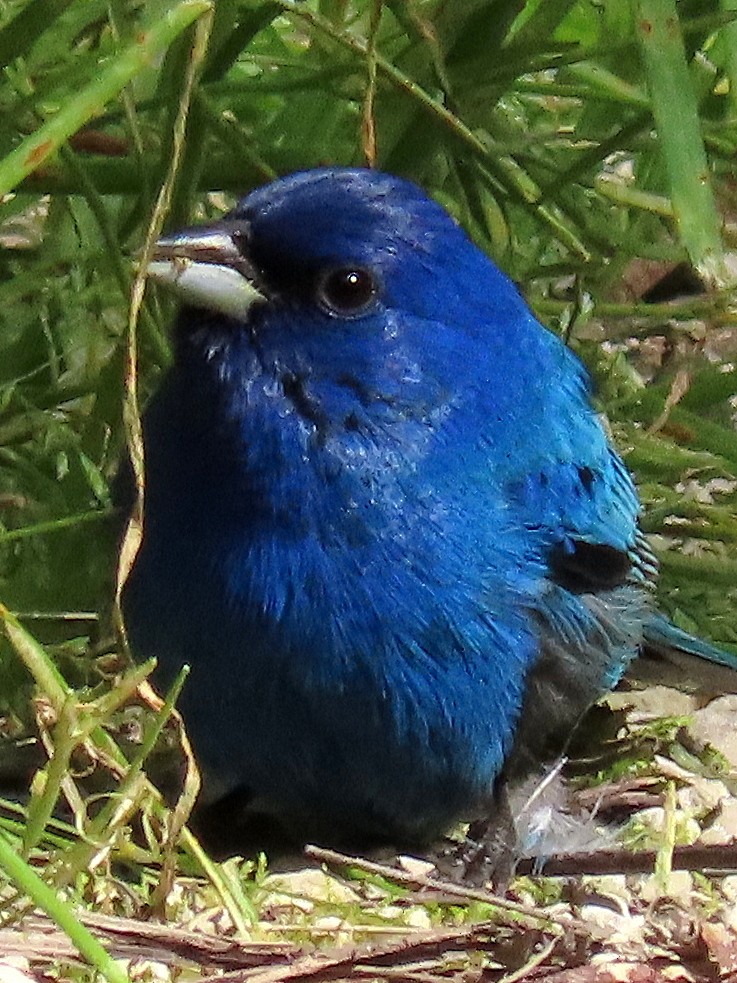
(587, 145)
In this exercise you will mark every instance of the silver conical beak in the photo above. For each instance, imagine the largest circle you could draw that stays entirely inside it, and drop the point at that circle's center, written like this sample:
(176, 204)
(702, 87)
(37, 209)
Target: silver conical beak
(207, 270)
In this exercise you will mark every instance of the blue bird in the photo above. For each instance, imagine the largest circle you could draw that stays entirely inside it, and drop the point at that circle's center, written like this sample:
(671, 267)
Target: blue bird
(383, 522)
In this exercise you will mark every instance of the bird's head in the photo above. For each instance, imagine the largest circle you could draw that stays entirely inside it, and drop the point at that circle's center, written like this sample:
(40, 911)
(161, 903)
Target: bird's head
(346, 294)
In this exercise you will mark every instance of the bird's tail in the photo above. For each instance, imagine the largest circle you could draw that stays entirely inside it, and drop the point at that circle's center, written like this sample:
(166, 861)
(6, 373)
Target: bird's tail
(660, 633)
(675, 658)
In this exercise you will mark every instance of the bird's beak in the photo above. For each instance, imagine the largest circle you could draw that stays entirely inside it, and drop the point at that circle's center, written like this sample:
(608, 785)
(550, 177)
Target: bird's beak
(207, 269)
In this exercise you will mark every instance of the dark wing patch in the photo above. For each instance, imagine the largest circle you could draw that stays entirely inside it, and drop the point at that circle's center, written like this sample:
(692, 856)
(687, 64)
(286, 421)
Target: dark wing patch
(586, 568)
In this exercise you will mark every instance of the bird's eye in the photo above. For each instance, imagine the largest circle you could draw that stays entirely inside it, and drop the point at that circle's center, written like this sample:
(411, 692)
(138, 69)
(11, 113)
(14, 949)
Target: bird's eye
(347, 291)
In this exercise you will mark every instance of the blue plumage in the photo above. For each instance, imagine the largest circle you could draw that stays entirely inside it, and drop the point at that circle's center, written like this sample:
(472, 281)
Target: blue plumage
(382, 521)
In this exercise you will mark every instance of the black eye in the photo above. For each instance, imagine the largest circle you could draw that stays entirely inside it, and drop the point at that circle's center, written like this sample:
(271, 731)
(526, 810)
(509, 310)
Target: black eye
(348, 291)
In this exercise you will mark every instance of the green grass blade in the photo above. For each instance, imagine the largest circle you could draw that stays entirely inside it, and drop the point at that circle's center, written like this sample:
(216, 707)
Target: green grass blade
(47, 676)
(675, 111)
(28, 881)
(19, 35)
(74, 113)
(728, 39)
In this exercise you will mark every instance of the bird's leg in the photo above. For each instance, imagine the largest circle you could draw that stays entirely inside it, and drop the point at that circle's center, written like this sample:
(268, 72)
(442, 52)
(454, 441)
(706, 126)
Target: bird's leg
(488, 852)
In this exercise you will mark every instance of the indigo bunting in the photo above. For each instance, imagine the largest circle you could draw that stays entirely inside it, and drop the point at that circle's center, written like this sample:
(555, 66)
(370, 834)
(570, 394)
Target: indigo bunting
(383, 522)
